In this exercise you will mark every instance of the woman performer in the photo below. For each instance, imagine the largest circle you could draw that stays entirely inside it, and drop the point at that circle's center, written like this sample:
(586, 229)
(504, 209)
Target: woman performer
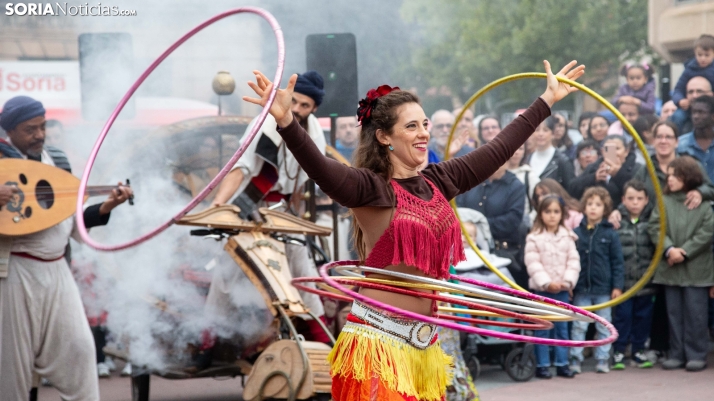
(403, 223)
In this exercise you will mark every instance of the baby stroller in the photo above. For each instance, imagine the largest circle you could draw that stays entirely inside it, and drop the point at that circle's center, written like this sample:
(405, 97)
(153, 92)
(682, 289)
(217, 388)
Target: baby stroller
(518, 359)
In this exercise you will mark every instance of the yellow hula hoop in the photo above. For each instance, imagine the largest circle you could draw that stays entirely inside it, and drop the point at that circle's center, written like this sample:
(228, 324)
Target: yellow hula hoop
(650, 169)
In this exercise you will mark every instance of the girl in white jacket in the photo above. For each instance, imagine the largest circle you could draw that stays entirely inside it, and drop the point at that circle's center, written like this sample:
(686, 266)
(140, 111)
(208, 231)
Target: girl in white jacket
(553, 265)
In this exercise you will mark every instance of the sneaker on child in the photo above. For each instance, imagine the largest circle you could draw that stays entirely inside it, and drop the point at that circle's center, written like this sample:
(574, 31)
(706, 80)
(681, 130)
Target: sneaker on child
(564, 371)
(543, 372)
(127, 370)
(640, 360)
(103, 370)
(575, 366)
(602, 366)
(618, 361)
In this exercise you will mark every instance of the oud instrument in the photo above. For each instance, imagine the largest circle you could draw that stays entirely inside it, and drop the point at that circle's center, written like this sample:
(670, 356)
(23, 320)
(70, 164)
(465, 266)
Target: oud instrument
(45, 196)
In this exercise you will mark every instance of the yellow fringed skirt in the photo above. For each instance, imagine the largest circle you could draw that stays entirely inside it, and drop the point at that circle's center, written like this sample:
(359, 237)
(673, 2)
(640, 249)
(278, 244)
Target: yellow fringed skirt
(368, 363)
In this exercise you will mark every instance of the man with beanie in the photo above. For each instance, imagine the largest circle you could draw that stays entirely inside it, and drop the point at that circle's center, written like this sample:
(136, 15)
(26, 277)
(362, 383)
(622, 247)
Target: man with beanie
(268, 172)
(43, 327)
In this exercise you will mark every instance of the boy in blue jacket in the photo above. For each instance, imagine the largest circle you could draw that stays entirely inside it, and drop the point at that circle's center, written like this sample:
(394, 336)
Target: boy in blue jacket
(702, 65)
(602, 272)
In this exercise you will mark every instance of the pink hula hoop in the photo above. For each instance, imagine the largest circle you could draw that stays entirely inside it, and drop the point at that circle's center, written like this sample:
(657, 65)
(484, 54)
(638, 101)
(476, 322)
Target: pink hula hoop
(202, 195)
(475, 330)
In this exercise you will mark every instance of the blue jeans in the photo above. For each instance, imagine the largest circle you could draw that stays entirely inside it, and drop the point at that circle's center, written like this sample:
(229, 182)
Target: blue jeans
(633, 320)
(580, 328)
(559, 331)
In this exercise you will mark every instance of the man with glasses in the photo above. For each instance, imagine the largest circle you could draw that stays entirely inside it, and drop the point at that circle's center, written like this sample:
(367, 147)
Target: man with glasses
(441, 123)
(696, 87)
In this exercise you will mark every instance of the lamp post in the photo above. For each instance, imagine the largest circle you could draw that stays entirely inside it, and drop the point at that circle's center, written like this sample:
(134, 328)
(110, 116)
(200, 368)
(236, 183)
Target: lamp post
(223, 85)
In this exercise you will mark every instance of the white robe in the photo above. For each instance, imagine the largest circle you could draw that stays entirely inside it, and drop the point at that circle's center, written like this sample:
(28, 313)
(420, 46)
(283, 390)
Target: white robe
(43, 326)
(251, 163)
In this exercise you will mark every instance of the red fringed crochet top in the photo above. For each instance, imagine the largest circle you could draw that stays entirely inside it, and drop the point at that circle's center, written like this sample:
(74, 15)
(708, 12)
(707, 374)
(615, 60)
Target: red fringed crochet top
(423, 232)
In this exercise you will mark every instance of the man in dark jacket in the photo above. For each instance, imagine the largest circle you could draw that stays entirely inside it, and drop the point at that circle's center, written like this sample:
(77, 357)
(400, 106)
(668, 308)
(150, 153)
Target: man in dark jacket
(502, 199)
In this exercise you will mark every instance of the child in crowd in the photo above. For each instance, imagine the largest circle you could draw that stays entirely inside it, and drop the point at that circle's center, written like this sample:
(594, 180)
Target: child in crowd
(553, 266)
(572, 216)
(686, 271)
(639, 90)
(633, 317)
(699, 66)
(601, 274)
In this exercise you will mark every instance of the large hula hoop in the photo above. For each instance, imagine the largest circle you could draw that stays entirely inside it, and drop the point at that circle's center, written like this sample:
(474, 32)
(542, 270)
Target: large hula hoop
(482, 306)
(648, 163)
(536, 323)
(217, 179)
(496, 298)
(324, 273)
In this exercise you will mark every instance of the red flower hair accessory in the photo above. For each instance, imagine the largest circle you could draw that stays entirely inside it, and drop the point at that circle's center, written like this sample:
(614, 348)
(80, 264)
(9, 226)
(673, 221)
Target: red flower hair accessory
(364, 111)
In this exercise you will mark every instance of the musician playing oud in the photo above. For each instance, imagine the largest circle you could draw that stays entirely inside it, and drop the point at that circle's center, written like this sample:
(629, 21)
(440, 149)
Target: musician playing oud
(43, 326)
(268, 172)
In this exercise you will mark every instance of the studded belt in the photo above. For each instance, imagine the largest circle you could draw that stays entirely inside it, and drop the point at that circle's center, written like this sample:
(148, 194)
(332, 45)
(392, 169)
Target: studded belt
(418, 334)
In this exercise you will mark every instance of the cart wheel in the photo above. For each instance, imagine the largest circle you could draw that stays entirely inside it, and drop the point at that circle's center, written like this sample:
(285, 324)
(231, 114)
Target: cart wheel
(140, 387)
(474, 367)
(520, 366)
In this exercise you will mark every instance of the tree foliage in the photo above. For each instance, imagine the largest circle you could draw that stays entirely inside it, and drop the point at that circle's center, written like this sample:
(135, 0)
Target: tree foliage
(465, 44)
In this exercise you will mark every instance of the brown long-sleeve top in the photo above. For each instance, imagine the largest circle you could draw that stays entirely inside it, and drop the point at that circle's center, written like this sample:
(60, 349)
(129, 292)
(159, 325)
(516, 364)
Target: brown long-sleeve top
(359, 187)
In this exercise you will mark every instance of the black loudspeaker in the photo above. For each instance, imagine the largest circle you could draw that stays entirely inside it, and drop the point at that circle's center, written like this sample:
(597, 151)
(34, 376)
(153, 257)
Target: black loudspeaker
(106, 71)
(334, 56)
(665, 83)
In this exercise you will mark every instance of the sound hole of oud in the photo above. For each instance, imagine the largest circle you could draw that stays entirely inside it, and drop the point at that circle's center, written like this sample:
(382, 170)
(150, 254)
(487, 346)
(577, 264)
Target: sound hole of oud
(44, 194)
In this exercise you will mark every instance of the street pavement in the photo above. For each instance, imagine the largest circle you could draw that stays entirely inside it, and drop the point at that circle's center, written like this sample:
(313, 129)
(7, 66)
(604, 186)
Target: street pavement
(653, 384)
(494, 385)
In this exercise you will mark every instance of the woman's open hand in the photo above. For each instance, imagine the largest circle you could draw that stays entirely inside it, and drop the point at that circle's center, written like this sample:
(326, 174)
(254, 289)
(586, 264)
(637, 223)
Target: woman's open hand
(557, 90)
(281, 109)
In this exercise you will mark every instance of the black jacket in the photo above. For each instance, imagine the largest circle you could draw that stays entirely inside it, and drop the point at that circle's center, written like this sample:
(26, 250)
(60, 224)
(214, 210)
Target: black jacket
(614, 185)
(637, 248)
(560, 168)
(502, 202)
(601, 260)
